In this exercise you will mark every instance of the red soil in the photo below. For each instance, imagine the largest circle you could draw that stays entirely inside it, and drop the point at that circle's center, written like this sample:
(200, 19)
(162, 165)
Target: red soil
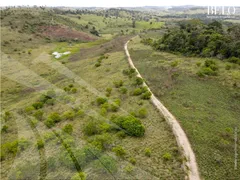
(65, 33)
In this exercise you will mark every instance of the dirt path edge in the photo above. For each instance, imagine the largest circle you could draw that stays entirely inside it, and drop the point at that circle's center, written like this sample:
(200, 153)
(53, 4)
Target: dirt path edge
(182, 140)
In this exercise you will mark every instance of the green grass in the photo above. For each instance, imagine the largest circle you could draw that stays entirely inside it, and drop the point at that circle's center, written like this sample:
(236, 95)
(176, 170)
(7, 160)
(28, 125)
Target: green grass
(207, 108)
(59, 145)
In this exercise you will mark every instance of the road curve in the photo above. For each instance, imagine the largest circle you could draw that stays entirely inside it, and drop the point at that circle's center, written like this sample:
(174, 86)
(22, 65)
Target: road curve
(182, 140)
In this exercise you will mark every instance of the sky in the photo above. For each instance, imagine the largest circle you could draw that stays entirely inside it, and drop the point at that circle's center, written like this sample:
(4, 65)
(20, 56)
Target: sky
(119, 3)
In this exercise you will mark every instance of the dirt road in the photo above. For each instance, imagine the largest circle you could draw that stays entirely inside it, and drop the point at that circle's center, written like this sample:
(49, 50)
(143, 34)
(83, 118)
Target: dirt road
(182, 140)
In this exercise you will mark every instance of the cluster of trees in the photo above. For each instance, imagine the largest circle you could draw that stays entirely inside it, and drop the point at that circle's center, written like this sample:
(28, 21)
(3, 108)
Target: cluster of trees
(196, 38)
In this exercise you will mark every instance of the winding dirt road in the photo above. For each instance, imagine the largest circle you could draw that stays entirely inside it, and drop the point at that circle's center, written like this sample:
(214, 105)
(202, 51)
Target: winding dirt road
(182, 140)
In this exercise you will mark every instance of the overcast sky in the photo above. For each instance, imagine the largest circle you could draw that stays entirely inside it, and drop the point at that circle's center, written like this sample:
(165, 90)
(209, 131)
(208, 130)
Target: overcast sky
(119, 3)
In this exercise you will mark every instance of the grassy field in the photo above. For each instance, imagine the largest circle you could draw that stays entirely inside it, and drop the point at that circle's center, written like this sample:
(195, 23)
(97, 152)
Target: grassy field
(207, 108)
(113, 25)
(58, 118)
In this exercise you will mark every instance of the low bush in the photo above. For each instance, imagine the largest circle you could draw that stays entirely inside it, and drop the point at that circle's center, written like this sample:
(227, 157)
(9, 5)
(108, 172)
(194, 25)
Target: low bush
(101, 100)
(148, 152)
(119, 151)
(4, 129)
(103, 111)
(123, 90)
(130, 72)
(37, 105)
(40, 144)
(69, 115)
(29, 109)
(14, 146)
(108, 92)
(98, 64)
(91, 128)
(234, 60)
(118, 84)
(146, 95)
(49, 123)
(55, 117)
(68, 128)
(50, 102)
(102, 141)
(80, 113)
(129, 168)
(38, 114)
(79, 176)
(33, 123)
(74, 90)
(137, 92)
(167, 156)
(142, 113)
(132, 125)
(132, 160)
(138, 81)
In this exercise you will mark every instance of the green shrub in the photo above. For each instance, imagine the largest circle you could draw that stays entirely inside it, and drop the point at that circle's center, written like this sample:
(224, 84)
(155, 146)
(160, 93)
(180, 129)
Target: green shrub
(67, 89)
(121, 134)
(148, 152)
(174, 64)
(102, 141)
(137, 92)
(40, 144)
(79, 176)
(132, 125)
(103, 111)
(4, 129)
(118, 84)
(108, 92)
(114, 107)
(98, 64)
(7, 115)
(37, 105)
(234, 60)
(69, 115)
(123, 90)
(129, 168)
(142, 113)
(167, 156)
(130, 72)
(38, 114)
(33, 123)
(14, 146)
(50, 102)
(29, 109)
(208, 63)
(80, 113)
(132, 160)
(70, 85)
(55, 117)
(146, 95)
(206, 71)
(49, 122)
(74, 90)
(138, 81)
(101, 100)
(119, 151)
(91, 128)
(68, 129)
(44, 98)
